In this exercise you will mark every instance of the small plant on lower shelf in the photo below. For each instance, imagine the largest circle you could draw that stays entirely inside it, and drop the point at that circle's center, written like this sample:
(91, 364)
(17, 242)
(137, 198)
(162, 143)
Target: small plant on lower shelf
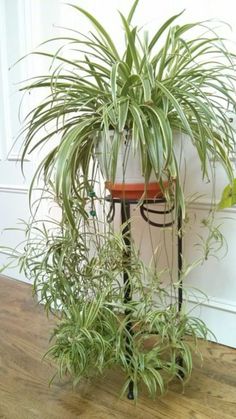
(78, 275)
(92, 338)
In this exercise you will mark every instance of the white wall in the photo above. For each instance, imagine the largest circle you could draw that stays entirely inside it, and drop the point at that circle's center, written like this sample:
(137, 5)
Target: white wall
(23, 25)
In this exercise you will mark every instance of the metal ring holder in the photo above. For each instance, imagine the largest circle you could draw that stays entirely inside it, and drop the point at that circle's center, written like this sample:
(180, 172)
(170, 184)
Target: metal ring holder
(125, 216)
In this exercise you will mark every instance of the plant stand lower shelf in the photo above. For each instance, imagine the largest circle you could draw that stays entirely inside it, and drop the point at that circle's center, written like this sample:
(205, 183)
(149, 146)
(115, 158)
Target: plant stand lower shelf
(125, 217)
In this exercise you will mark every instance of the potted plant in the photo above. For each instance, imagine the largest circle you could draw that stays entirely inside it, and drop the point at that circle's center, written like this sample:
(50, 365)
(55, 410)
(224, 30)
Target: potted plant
(130, 105)
(106, 110)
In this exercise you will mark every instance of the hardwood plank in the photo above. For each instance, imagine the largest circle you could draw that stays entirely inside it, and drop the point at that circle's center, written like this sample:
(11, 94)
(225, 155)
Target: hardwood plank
(24, 378)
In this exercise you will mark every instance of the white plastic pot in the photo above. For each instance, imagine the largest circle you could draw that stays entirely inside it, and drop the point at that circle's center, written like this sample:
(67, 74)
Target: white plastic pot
(129, 167)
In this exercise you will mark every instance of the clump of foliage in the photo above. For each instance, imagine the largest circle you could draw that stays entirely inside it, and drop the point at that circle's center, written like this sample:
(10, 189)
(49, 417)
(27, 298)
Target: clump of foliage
(78, 275)
(173, 81)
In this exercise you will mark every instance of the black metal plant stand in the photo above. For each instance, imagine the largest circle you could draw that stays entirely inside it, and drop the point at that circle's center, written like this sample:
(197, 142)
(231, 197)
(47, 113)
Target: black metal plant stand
(125, 217)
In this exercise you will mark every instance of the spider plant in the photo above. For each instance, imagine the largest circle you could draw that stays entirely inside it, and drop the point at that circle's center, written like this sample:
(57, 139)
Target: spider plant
(179, 79)
(156, 86)
(93, 337)
(78, 277)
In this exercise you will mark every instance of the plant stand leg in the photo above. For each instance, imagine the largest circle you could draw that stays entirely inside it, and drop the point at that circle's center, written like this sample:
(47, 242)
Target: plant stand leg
(180, 260)
(125, 216)
(180, 266)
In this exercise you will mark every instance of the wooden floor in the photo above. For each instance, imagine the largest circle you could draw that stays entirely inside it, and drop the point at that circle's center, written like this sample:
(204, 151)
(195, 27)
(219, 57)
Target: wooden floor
(24, 391)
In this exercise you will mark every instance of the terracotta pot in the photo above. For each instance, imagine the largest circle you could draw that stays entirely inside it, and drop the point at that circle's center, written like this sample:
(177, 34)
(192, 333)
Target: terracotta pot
(136, 191)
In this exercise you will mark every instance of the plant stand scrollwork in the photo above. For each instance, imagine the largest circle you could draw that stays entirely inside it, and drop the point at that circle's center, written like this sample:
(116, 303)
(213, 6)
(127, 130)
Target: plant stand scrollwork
(125, 205)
